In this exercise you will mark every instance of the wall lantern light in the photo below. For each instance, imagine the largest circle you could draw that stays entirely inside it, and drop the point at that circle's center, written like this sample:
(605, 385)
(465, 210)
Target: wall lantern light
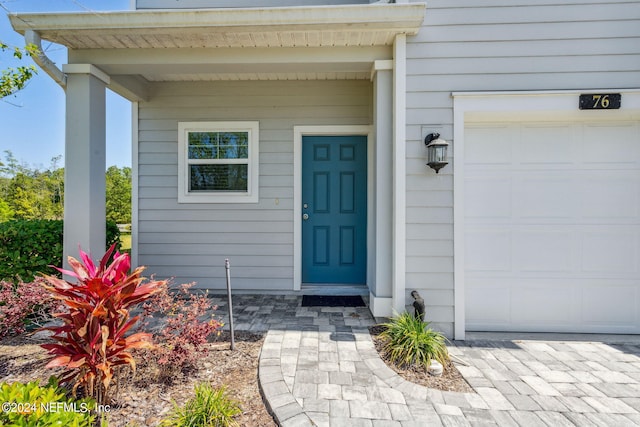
(436, 151)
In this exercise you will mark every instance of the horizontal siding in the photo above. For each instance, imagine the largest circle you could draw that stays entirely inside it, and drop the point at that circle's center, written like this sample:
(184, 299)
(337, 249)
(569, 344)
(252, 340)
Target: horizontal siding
(527, 65)
(525, 48)
(529, 12)
(214, 227)
(191, 241)
(549, 31)
(495, 45)
(196, 238)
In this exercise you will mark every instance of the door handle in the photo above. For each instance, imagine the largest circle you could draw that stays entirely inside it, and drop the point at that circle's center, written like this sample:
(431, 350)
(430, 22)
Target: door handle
(305, 216)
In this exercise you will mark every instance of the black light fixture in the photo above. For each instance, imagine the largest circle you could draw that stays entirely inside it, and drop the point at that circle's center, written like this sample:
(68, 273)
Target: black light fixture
(436, 151)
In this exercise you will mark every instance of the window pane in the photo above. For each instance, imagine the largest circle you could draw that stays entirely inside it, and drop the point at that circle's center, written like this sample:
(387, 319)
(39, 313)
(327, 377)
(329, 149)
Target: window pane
(218, 145)
(233, 145)
(203, 145)
(218, 177)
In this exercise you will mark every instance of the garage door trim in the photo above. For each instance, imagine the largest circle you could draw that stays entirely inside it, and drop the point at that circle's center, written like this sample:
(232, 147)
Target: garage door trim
(480, 106)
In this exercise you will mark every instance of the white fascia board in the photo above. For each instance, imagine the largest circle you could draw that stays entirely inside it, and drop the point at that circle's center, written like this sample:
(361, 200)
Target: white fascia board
(405, 18)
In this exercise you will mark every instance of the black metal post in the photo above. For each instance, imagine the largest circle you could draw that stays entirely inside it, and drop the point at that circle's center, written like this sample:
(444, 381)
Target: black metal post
(228, 268)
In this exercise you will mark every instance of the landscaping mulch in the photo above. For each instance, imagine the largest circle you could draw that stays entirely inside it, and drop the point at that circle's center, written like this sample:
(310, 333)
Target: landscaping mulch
(144, 402)
(451, 379)
(141, 402)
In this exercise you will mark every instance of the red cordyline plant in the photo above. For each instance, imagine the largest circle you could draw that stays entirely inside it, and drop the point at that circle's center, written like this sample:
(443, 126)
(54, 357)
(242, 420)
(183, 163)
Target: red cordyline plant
(92, 341)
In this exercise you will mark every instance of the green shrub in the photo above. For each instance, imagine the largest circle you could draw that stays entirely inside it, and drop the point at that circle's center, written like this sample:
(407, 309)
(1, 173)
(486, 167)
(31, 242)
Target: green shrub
(29, 247)
(29, 405)
(113, 235)
(410, 342)
(211, 407)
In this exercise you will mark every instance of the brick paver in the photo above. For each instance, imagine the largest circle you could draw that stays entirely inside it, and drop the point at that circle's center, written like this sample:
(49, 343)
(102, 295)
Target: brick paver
(318, 367)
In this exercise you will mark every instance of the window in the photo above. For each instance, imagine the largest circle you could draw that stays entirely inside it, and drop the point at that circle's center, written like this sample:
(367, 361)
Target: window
(218, 162)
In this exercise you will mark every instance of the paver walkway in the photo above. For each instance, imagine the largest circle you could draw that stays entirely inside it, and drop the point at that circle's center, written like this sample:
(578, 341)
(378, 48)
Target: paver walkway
(319, 367)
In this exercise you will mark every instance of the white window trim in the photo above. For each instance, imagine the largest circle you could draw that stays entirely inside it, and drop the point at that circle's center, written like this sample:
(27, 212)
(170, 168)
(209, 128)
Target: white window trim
(251, 195)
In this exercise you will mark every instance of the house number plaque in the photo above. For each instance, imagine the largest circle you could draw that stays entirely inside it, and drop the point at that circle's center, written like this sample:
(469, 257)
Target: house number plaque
(600, 101)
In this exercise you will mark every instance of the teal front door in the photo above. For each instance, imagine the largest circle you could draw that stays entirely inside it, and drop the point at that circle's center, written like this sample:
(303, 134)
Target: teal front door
(334, 209)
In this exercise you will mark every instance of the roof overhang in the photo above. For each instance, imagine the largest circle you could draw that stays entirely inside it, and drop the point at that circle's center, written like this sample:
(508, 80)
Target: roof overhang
(279, 43)
(350, 25)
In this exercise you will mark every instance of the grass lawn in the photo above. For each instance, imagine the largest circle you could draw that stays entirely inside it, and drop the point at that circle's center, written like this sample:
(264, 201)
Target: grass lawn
(125, 239)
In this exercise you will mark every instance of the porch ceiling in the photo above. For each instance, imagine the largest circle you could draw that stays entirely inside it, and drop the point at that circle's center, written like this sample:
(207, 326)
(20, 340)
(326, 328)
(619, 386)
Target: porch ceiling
(137, 48)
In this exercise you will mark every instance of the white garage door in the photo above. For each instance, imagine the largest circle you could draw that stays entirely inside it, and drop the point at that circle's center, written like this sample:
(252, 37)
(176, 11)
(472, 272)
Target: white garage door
(552, 226)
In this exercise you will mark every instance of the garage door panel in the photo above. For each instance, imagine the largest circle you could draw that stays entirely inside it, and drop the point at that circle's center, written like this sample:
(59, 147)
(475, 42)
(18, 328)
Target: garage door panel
(488, 250)
(546, 304)
(610, 250)
(544, 197)
(488, 303)
(537, 141)
(610, 304)
(553, 305)
(538, 251)
(495, 147)
(489, 197)
(542, 303)
(552, 230)
(610, 145)
(607, 194)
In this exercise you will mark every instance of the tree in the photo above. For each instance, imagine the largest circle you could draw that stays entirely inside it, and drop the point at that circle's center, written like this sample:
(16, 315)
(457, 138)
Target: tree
(22, 197)
(38, 193)
(11, 166)
(6, 213)
(14, 79)
(119, 194)
(31, 193)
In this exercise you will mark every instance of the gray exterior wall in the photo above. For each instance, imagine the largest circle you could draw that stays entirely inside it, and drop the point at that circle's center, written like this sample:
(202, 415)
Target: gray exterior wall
(191, 241)
(495, 45)
(464, 45)
(200, 4)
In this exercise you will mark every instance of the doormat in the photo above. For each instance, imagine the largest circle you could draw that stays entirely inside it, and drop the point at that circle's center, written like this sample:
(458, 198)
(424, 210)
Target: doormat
(332, 301)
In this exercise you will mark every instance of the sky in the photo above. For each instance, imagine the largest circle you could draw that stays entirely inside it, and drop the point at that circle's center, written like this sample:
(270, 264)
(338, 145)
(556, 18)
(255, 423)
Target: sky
(32, 121)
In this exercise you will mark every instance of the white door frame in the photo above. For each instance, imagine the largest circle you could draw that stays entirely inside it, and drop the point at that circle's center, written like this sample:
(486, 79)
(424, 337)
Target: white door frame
(478, 106)
(298, 133)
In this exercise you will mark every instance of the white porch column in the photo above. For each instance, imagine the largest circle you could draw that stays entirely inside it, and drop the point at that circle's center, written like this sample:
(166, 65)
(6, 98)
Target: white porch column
(381, 294)
(85, 161)
(399, 171)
